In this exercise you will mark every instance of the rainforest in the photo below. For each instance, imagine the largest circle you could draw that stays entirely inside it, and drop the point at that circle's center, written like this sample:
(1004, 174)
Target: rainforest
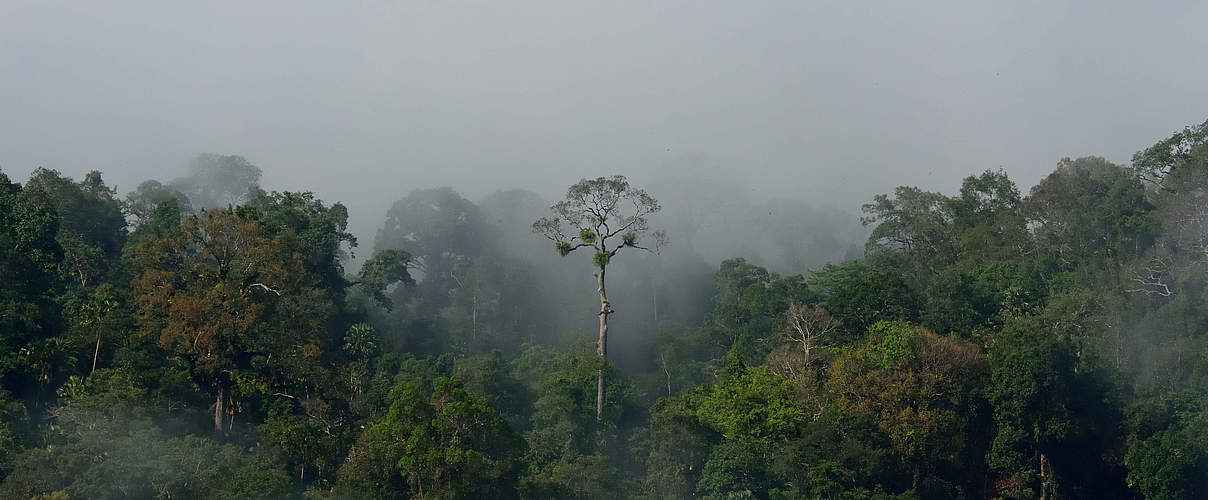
(204, 338)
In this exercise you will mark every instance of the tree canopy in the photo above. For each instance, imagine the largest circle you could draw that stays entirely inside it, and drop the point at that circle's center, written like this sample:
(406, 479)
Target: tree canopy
(207, 338)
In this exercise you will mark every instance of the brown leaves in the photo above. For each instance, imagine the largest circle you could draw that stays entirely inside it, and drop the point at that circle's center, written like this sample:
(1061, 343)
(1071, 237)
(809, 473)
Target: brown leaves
(208, 285)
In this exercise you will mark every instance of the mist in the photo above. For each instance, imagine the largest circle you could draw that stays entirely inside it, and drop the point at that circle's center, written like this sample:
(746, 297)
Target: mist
(824, 103)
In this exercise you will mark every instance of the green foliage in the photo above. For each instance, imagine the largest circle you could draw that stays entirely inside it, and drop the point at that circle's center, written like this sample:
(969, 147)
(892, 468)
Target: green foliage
(682, 358)
(91, 224)
(490, 376)
(915, 224)
(146, 200)
(750, 304)
(733, 428)
(592, 204)
(1176, 163)
(108, 445)
(321, 232)
(680, 446)
(29, 257)
(309, 445)
(384, 269)
(600, 259)
(361, 341)
(987, 221)
(210, 291)
(1089, 210)
(563, 415)
(587, 236)
(1048, 411)
(577, 477)
(449, 444)
(751, 403)
(1172, 463)
(896, 343)
(563, 248)
(860, 295)
(440, 229)
(737, 469)
(12, 417)
(923, 391)
(1069, 359)
(1031, 374)
(473, 290)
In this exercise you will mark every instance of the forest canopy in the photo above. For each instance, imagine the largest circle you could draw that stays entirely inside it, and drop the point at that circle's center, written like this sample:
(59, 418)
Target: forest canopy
(206, 338)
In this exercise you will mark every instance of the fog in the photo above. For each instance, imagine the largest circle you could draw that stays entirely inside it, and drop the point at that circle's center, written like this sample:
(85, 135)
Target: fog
(761, 130)
(362, 102)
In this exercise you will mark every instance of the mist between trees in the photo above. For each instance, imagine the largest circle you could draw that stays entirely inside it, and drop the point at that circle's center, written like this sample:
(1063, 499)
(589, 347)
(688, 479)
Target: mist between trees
(203, 337)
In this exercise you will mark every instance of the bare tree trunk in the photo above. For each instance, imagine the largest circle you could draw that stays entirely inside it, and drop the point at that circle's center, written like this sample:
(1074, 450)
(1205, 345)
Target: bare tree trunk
(220, 411)
(602, 344)
(1044, 478)
(96, 352)
(808, 345)
(654, 295)
(666, 372)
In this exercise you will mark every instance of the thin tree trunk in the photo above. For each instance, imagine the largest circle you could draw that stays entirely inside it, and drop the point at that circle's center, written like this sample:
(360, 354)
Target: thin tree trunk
(220, 411)
(666, 372)
(654, 296)
(1044, 478)
(96, 352)
(602, 344)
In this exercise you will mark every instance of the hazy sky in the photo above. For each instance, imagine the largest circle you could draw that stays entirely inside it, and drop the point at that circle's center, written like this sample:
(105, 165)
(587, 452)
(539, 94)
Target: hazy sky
(365, 101)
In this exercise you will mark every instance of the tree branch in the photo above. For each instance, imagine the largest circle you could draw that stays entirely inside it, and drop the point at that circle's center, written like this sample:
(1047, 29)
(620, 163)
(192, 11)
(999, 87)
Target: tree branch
(262, 285)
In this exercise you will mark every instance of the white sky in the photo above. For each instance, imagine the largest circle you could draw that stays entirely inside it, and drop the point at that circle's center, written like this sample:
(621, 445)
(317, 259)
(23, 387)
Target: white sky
(829, 102)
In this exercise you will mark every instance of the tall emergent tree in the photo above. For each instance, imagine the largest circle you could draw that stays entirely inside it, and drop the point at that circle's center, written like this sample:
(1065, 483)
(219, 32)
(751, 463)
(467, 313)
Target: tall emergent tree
(594, 214)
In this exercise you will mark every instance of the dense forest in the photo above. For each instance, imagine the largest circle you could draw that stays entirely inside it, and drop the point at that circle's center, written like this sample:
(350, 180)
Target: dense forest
(205, 338)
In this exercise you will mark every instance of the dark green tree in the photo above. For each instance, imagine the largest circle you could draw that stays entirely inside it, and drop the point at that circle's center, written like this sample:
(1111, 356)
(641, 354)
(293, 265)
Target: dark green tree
(446, 444)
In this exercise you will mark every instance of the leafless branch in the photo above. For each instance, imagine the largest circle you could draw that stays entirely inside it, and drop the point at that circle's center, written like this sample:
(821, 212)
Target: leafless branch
(262, 285)
(1152, 278)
